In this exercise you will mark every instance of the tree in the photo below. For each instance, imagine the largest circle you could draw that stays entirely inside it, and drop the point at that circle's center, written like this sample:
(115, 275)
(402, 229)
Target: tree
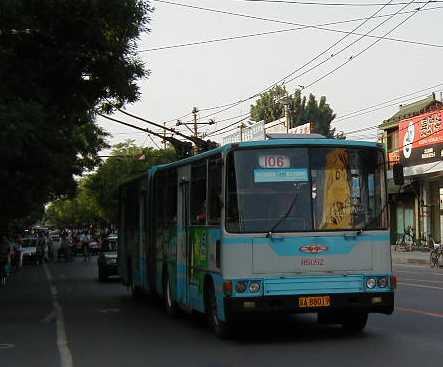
(61, 61)
(124, 164)
(269, 107)
(77, 210)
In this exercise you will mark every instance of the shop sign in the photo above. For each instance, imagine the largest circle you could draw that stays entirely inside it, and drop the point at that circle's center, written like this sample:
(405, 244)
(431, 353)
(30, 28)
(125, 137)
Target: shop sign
(393, 158)
(421, 139)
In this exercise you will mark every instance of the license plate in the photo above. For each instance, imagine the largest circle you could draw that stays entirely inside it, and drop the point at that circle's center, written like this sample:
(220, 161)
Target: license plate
(306, 302)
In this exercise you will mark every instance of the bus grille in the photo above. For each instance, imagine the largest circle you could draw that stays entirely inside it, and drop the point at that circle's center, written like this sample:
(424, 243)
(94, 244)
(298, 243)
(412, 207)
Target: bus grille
(314, 285)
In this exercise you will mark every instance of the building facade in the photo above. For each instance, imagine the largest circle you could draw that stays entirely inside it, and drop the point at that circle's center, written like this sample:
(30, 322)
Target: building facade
(414, 138)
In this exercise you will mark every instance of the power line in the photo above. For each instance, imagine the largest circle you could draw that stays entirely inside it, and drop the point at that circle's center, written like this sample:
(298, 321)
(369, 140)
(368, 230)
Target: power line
(153, 141)
(315, 57)
(195, 140)
(366, 48)
(347, 46)
(259, 34)
(234, 104)
(345, 116)
(378, 108)
(220, 131)
(321, 3)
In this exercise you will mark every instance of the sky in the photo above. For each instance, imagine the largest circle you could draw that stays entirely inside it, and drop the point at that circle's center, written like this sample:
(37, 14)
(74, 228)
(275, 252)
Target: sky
(220, 73)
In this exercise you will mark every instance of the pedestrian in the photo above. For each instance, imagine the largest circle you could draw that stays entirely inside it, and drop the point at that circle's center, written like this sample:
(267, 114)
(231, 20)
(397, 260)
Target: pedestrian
(4, 260)
(86, 254)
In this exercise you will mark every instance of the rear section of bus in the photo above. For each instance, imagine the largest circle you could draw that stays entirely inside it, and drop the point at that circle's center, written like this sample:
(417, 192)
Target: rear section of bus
(306, 230)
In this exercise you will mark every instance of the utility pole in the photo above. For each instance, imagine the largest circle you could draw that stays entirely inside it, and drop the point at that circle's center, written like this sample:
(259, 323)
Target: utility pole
(194, 112)
(164, 136)
(242, 126)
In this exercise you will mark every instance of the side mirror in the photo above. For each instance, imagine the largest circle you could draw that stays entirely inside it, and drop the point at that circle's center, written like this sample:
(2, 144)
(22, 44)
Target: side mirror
(398, 174)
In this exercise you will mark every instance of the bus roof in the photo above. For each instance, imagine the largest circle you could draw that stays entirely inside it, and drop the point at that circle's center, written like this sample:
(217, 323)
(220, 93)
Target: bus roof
(269, 143)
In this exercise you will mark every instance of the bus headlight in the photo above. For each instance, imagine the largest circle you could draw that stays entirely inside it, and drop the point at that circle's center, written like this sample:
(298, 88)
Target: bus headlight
(371, 283)
(254, 287)
(382, 282)
(240, 286)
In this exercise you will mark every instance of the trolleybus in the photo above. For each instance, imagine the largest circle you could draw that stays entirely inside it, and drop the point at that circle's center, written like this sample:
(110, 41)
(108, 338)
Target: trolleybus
(288, 225)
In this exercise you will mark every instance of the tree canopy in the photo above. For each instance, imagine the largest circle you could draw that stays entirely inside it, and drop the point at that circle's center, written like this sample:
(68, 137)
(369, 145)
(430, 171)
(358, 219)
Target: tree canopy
(269, 107)
(97, 197)
(61, 61)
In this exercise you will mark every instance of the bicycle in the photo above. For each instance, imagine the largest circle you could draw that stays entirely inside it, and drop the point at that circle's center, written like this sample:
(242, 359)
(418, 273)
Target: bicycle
(408, 241)
(436, 256)
(405, 241)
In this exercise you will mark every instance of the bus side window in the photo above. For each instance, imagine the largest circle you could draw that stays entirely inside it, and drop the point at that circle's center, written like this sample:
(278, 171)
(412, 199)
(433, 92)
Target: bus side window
(215, 165)
(198, 193)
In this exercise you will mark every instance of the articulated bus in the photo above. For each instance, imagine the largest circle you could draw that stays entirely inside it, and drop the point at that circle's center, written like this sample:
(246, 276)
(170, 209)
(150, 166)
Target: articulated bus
(287, 225)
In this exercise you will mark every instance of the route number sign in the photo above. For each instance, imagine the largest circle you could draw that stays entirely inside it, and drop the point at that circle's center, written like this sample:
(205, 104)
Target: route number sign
(274, 161)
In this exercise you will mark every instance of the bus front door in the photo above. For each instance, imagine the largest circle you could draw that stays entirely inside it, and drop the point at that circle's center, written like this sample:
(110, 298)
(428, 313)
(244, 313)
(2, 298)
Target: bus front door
(183, 242)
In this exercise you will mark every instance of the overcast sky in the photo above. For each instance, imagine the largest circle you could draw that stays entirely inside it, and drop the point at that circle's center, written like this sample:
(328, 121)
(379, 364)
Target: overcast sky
(224, 72)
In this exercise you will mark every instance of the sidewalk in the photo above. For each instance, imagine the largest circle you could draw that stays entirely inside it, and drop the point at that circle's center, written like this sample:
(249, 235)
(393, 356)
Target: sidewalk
(413, 257)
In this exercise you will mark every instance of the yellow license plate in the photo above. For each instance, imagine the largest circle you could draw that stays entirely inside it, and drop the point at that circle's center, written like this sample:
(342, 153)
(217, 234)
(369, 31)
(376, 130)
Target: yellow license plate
(306, 302)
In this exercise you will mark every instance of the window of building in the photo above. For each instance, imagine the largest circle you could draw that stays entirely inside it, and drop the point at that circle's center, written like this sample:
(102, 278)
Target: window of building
(392, 139)
(198, 193)
(215, 166)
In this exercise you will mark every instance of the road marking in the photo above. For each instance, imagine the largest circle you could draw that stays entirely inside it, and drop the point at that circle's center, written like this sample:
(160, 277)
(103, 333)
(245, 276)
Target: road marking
(62, 340)
(420, 312)
(424, 280)
(419, 272)
(420, 285)
(6, 346)
(109, 310)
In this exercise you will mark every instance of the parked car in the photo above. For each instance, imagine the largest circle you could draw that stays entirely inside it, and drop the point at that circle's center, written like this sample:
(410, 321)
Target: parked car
(28, 250)
(107, 259)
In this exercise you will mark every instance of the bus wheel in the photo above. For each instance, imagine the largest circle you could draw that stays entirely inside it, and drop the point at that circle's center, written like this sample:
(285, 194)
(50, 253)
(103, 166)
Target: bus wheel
(220, 328)
(355, 322)
(170, 305)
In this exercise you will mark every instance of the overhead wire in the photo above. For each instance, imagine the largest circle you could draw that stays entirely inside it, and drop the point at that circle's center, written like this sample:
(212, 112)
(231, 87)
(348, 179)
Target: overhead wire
(232, 105)
(323, 3)
(345, 116)
(259, 34)
(323, 52)
(366, 48)
(335, 54)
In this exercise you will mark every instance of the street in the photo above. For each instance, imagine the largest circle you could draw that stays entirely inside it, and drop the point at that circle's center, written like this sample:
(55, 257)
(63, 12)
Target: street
(105, 326)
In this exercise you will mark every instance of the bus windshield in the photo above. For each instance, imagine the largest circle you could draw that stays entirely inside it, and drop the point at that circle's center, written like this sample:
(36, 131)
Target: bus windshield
(299, 189)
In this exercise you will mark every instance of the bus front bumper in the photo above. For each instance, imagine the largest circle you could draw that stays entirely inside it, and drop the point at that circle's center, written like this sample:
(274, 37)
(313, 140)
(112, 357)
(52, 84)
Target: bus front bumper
(374, 302)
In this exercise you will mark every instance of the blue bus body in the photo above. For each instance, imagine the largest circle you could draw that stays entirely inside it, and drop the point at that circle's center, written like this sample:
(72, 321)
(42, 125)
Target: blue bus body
(285, 225)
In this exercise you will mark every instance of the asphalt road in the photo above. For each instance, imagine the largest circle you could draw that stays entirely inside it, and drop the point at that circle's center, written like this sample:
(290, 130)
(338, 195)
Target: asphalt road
(76, 321)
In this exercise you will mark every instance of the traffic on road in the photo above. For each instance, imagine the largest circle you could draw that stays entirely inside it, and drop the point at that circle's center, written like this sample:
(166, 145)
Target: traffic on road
(105, 324)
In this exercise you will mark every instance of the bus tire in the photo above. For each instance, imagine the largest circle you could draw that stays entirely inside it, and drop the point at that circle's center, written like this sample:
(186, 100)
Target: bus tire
(170, 305)
(355, 322)
(221, 329)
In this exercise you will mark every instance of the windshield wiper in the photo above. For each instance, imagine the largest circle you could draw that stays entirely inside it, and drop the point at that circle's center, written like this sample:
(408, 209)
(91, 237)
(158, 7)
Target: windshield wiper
(269, 234)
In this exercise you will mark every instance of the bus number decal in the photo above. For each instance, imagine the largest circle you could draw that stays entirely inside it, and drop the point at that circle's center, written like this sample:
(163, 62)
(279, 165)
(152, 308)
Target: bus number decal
(313, 262)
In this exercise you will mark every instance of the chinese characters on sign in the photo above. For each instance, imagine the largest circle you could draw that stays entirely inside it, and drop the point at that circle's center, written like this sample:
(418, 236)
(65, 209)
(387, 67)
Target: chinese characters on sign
(421, 140)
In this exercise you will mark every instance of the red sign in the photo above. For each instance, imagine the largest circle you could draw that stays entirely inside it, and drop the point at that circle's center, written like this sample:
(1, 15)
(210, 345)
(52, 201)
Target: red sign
(421, 138)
